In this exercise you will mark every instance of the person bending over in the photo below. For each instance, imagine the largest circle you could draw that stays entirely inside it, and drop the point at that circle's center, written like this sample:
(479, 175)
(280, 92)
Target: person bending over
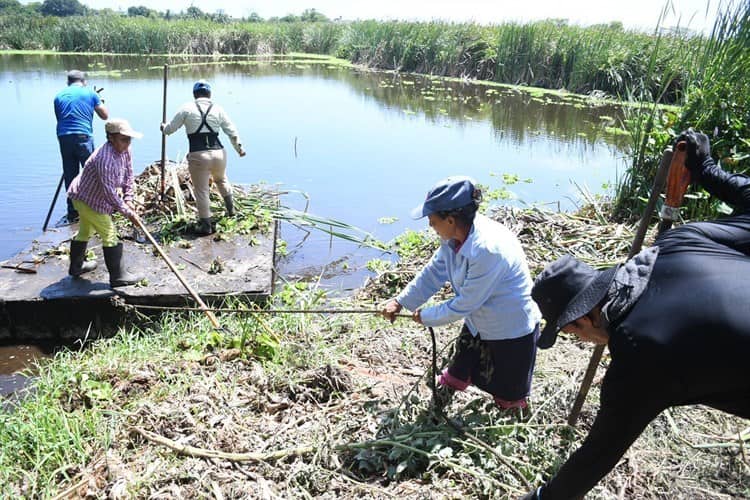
(94, 193)
(675, 319)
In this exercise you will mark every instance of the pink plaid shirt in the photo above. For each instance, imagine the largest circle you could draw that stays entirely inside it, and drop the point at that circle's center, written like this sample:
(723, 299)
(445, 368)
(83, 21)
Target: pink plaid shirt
(105, 171)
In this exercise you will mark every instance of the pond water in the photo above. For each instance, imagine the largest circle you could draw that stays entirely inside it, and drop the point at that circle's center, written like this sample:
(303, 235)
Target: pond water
(364, 146)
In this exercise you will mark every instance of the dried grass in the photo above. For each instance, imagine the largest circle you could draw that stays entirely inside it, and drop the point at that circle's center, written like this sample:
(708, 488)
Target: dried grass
(357, 421)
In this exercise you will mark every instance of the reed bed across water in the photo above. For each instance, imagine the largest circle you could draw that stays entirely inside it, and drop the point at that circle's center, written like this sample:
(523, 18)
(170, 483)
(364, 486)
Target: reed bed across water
(605, 59)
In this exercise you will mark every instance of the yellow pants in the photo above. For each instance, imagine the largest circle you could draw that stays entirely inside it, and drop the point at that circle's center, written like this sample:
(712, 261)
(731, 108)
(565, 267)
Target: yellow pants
(90, 220)
(203, 165)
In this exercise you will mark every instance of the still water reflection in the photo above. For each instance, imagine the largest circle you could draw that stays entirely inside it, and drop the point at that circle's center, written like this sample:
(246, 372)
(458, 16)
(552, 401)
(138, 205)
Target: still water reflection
(16, 364)
(363, 145)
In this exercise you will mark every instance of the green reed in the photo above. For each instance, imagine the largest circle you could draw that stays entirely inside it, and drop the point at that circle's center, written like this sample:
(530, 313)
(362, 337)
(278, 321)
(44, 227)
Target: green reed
(545, 54)
(717, 102)
(549, 54)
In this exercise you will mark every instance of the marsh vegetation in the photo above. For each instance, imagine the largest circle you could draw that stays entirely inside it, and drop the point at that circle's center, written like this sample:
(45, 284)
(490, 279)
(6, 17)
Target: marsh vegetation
(334, 405)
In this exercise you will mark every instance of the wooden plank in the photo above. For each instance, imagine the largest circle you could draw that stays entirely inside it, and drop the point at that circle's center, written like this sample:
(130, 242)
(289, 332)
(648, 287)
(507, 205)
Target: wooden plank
(244, 265)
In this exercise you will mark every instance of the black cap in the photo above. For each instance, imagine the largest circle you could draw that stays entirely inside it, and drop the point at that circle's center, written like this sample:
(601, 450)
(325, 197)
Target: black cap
(566, 290)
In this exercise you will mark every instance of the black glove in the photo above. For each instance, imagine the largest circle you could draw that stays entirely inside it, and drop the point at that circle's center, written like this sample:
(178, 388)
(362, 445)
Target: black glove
(698, 151)
(535, 494)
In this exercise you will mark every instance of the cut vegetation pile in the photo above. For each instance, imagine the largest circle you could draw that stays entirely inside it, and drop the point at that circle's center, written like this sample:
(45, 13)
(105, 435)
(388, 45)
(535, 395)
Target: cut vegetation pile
(175, 214)
(336, 406)
(257, 208)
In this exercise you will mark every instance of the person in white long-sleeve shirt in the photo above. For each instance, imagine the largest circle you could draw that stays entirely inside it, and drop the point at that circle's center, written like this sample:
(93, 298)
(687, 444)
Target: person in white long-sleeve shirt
(203, 119)
(486, 267)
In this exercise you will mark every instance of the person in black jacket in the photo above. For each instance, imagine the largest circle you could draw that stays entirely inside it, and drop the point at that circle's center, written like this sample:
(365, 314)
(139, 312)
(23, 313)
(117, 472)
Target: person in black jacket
(675, 318)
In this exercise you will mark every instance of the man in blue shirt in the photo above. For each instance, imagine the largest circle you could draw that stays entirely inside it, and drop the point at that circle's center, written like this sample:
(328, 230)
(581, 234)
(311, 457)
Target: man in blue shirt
(74, 109)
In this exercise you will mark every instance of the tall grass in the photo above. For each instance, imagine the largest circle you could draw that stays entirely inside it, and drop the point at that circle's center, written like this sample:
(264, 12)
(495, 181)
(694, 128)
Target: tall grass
(647, 123)
(117, 34)
(544, 54)
(602, 59)
(717, 102)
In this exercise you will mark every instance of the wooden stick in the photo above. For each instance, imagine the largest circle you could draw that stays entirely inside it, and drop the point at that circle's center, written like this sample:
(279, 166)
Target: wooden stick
(164, 136)
(179, 276)
(54, 200)
(659, 181)
(66, 493)
(192, 451)
(20, 269)
(70, 490)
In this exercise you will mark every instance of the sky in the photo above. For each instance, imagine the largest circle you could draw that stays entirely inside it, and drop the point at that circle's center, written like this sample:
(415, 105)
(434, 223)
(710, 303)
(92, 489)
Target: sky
(635, 14)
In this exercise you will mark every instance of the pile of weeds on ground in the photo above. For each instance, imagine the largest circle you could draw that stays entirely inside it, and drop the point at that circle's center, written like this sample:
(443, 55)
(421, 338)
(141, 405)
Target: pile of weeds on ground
(174, 216)
(258, 207)
(332, 406)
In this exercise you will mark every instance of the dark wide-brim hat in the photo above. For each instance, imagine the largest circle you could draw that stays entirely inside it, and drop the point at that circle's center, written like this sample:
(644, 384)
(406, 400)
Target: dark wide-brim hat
(566, 290)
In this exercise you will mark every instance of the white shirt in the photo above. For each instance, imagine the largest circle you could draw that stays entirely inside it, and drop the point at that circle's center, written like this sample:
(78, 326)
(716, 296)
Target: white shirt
(217, 118)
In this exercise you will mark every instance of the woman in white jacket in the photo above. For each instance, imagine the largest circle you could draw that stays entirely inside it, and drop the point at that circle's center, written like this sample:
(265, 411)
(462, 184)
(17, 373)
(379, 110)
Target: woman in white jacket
(487, 269)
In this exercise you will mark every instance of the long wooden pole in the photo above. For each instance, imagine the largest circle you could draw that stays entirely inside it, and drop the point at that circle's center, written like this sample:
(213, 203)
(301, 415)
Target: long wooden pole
(164, 136)
(179, 276)
(54, 200)
(659, 181)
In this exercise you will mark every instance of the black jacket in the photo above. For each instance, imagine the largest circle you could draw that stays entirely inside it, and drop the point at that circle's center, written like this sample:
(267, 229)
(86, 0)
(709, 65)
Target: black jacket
(686, 340)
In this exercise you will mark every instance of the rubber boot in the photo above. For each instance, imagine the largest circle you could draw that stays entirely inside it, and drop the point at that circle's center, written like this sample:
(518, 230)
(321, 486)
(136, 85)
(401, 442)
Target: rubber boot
(72, 217)
(78, 264)
(229, 204)
(118, 276)
(204, 227)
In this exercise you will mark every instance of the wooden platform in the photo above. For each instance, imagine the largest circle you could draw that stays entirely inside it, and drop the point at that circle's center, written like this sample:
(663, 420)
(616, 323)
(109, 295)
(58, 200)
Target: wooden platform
(49, 304)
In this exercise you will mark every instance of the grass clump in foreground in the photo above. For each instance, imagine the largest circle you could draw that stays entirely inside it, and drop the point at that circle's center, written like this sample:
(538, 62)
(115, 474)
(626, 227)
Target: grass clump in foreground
(333, 406)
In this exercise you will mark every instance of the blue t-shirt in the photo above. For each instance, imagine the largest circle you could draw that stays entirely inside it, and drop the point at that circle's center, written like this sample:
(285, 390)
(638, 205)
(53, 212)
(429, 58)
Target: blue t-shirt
(74, 109)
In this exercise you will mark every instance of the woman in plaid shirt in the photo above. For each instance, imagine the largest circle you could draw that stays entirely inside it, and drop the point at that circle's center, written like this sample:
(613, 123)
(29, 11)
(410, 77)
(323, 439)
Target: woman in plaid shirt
(95, 195)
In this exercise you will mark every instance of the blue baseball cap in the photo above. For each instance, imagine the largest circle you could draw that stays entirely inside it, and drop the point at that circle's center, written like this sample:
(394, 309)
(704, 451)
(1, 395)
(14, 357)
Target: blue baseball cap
(448, 194)
(201, 85)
